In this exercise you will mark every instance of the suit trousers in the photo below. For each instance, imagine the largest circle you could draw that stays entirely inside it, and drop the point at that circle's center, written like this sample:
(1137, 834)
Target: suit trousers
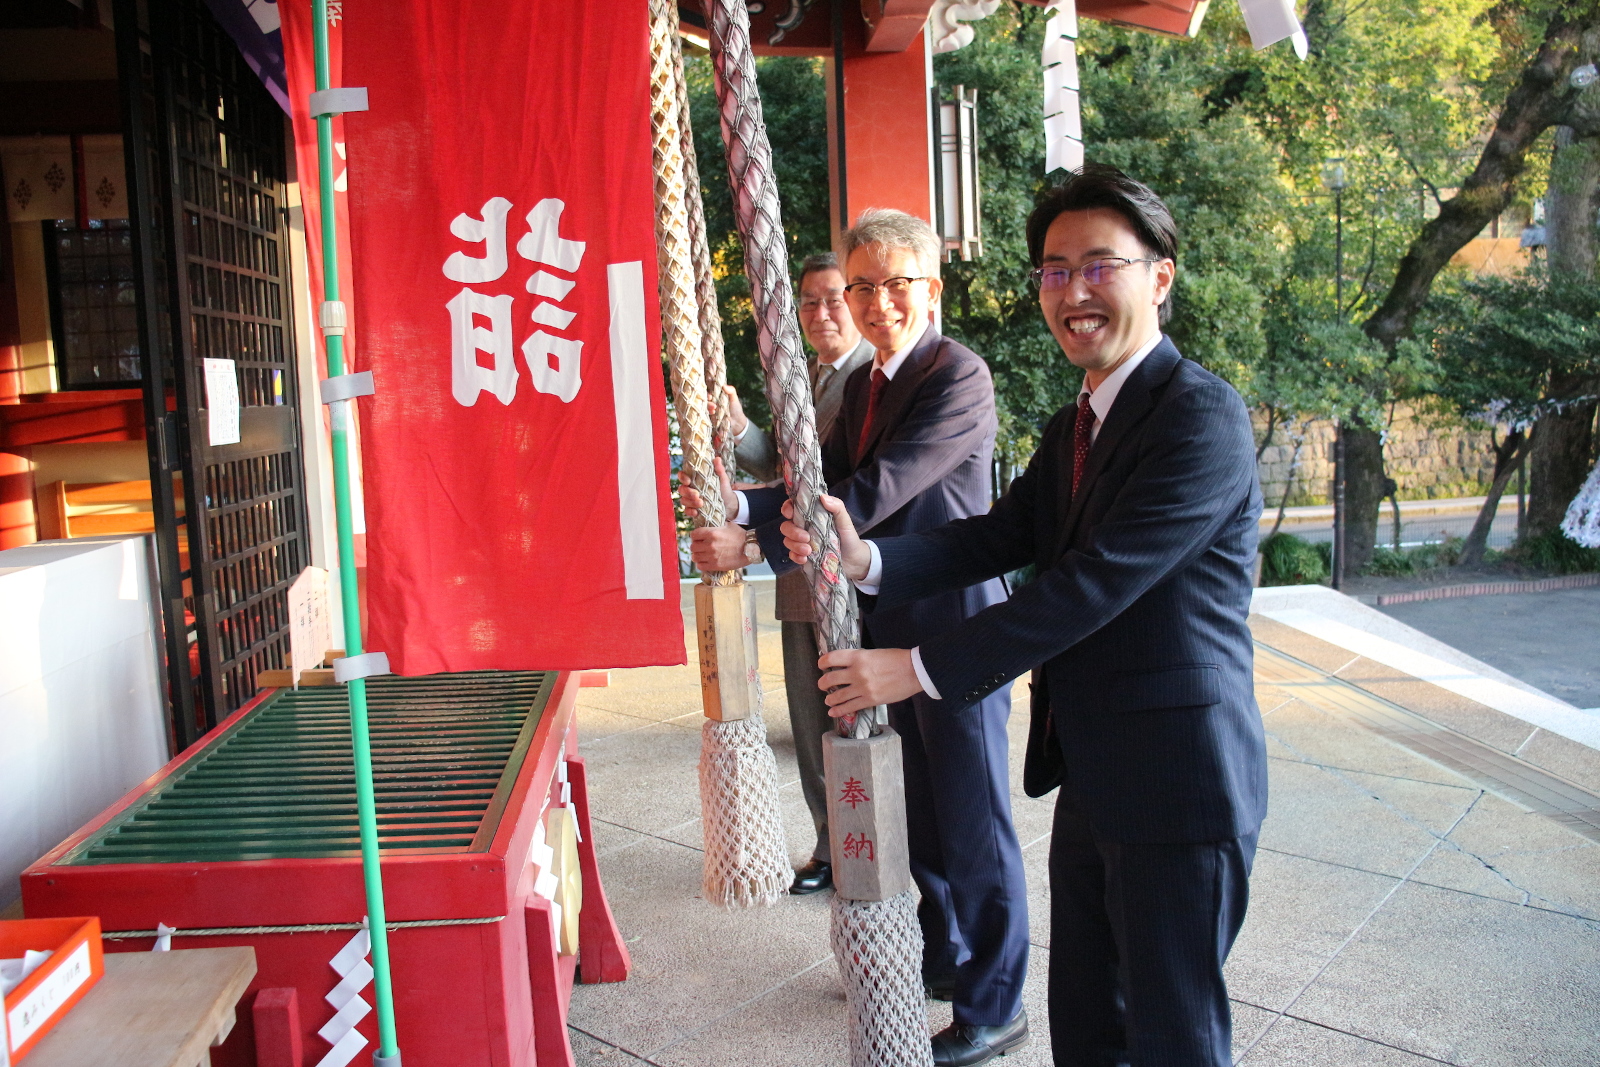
(964, 852)
(808, 718)
(1138, 937)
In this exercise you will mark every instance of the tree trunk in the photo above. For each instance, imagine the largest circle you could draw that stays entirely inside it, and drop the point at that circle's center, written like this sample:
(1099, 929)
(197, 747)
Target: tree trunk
(1507, 456)
(1563, 449)
(1563, 452)
(1543, 97)
(1363, 494)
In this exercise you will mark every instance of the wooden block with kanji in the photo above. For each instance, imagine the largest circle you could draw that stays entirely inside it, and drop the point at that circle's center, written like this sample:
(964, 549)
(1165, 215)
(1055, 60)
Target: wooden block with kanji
(867, 815)
(730, 679)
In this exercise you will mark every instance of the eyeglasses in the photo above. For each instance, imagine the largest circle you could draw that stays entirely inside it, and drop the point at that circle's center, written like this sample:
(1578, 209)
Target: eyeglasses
(897, 288)
(832, 303)
(1095, 272)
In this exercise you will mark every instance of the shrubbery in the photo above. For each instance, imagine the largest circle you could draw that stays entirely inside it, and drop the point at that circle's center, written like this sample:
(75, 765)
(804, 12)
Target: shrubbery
(1289, 560)
(1555, 552)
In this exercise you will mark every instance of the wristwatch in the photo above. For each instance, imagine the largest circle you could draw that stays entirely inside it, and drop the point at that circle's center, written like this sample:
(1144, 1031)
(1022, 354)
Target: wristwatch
(752, 548)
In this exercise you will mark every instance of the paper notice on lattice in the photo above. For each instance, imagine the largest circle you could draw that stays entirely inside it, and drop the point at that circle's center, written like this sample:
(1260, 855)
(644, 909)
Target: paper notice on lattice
(222, 402)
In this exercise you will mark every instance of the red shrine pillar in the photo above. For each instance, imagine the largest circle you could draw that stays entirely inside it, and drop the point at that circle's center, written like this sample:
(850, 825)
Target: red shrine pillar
(880, 147)
(16, 471)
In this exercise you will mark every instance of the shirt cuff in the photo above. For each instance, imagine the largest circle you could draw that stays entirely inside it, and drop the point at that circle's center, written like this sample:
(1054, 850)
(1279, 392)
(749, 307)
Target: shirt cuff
(869, 584)
(743, 518)
(740, 435)
(922, 674)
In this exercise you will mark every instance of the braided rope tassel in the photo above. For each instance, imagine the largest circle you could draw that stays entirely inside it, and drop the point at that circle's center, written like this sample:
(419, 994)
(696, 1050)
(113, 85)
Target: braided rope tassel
(705, 284)
(877, 943)
(746, 855)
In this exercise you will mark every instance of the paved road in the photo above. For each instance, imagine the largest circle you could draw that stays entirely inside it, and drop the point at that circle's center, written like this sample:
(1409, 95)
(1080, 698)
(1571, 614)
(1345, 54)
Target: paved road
(1549, 640)
(1424, 529)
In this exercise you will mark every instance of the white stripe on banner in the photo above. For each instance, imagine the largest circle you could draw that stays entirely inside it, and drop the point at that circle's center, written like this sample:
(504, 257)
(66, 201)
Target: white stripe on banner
(636, 460)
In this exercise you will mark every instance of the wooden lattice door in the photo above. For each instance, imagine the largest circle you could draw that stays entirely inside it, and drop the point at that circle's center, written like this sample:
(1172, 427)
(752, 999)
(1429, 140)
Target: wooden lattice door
(216, 223)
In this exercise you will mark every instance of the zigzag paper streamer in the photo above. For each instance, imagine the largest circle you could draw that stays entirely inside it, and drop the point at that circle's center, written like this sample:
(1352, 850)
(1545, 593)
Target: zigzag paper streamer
(1063, 124)
(354, 973)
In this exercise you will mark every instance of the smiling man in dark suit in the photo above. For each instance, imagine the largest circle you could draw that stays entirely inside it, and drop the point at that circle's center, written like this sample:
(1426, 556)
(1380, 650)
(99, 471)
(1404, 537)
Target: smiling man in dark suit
(910, 451)
(1139, 514)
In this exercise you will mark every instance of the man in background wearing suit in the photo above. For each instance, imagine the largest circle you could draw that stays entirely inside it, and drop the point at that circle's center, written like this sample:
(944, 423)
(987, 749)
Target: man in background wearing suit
(1139, 513)
(839, 349)
(910, 451)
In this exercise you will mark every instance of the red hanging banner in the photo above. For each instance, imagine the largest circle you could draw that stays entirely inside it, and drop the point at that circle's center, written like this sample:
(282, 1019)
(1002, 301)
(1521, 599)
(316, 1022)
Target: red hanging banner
(504, 297)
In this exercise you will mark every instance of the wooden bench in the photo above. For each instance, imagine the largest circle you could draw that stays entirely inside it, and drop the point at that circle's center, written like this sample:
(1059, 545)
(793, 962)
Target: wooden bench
(55, 502)
(152, 1009)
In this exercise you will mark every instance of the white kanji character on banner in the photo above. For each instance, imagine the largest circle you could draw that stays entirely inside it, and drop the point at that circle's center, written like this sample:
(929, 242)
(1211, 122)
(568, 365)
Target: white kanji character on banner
(490, 230)
(468, 377)
(554, 363)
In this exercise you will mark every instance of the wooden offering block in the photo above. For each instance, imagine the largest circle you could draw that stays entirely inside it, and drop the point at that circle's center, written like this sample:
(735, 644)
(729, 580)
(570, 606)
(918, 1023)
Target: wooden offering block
(867, 815)
(730, 682)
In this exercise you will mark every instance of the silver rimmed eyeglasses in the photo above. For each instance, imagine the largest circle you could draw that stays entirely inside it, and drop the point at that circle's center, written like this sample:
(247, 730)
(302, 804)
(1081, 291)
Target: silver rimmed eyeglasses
(832, 303)
(895, 287)
(1095, 272)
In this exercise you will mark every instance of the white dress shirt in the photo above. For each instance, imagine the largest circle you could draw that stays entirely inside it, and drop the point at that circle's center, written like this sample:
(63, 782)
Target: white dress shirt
(1100, 401)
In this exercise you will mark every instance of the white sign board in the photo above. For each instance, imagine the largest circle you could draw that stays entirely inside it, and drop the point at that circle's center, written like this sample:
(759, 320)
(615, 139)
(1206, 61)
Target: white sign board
(310, 636)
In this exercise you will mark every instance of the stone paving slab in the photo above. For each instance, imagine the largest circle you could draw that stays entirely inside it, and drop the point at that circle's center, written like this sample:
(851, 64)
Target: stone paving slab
(1400, 915)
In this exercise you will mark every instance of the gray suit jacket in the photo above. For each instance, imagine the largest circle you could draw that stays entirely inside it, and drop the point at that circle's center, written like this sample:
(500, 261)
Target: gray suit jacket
(758, 454)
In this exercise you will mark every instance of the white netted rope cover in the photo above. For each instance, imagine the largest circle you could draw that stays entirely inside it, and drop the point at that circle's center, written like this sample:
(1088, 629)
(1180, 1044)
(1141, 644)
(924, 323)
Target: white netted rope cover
(746, 854)
(878, 946)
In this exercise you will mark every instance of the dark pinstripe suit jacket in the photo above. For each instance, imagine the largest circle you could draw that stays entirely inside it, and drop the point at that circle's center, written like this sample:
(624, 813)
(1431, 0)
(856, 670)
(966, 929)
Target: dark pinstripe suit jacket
(1143, 702)
(927, 461)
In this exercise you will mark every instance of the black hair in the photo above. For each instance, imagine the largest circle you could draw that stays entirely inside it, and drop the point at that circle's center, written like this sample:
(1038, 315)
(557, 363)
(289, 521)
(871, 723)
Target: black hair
(820, 261)
(1100, 185)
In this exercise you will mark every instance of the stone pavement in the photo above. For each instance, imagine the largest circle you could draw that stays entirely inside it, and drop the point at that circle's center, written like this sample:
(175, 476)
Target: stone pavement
(1400, 914)
(1549, 639)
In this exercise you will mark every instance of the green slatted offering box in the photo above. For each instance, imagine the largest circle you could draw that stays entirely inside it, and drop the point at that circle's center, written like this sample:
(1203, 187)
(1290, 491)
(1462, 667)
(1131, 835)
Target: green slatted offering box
(278, 783)
(249, 838)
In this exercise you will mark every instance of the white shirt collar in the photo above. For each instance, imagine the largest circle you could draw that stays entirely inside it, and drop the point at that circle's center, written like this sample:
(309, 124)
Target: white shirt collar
(892, 364)
(1101, 399)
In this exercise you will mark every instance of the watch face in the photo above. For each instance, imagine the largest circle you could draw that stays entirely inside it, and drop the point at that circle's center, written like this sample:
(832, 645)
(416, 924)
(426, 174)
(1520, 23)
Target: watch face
(752, 551)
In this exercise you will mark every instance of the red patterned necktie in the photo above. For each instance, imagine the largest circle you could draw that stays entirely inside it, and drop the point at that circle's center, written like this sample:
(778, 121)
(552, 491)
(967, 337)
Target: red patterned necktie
(1081, 427)
(880, 381)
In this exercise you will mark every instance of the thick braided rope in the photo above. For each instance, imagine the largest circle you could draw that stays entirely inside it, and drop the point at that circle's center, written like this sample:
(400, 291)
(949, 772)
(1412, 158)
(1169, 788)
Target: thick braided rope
(876, 943)
(680, 318)
(705, 285)
(766, 262)
(746, 854)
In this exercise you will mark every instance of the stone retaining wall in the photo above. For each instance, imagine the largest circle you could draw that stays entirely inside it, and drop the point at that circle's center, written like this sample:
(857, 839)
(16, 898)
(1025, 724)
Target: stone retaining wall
(1429, 462)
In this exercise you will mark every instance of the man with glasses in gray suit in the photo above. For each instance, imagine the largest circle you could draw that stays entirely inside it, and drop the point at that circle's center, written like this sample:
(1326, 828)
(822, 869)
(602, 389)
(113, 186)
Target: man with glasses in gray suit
(839, 349)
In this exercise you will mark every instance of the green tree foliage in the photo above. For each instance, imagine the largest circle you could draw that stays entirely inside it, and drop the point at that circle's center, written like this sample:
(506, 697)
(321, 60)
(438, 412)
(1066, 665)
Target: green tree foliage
(794, 105)
(1499, 343)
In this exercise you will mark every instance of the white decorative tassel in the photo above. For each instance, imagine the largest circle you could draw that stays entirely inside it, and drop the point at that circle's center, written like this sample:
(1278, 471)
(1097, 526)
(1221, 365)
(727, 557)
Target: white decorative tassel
(1582, 523)
(1063, 123)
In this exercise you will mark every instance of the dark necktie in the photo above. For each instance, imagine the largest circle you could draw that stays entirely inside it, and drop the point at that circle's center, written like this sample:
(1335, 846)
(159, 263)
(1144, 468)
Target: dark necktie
(880, 381)
(1081, 427)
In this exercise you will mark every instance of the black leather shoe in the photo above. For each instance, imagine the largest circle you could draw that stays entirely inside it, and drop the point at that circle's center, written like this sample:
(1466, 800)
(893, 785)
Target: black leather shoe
(814, 877)
(963, 1044)
(939, 986)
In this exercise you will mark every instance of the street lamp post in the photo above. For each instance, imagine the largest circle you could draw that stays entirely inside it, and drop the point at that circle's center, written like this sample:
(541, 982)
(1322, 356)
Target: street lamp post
(1333, 177)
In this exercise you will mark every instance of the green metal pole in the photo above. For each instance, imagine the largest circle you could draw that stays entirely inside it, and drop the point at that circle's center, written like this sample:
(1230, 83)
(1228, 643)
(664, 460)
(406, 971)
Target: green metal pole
(339, 416)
